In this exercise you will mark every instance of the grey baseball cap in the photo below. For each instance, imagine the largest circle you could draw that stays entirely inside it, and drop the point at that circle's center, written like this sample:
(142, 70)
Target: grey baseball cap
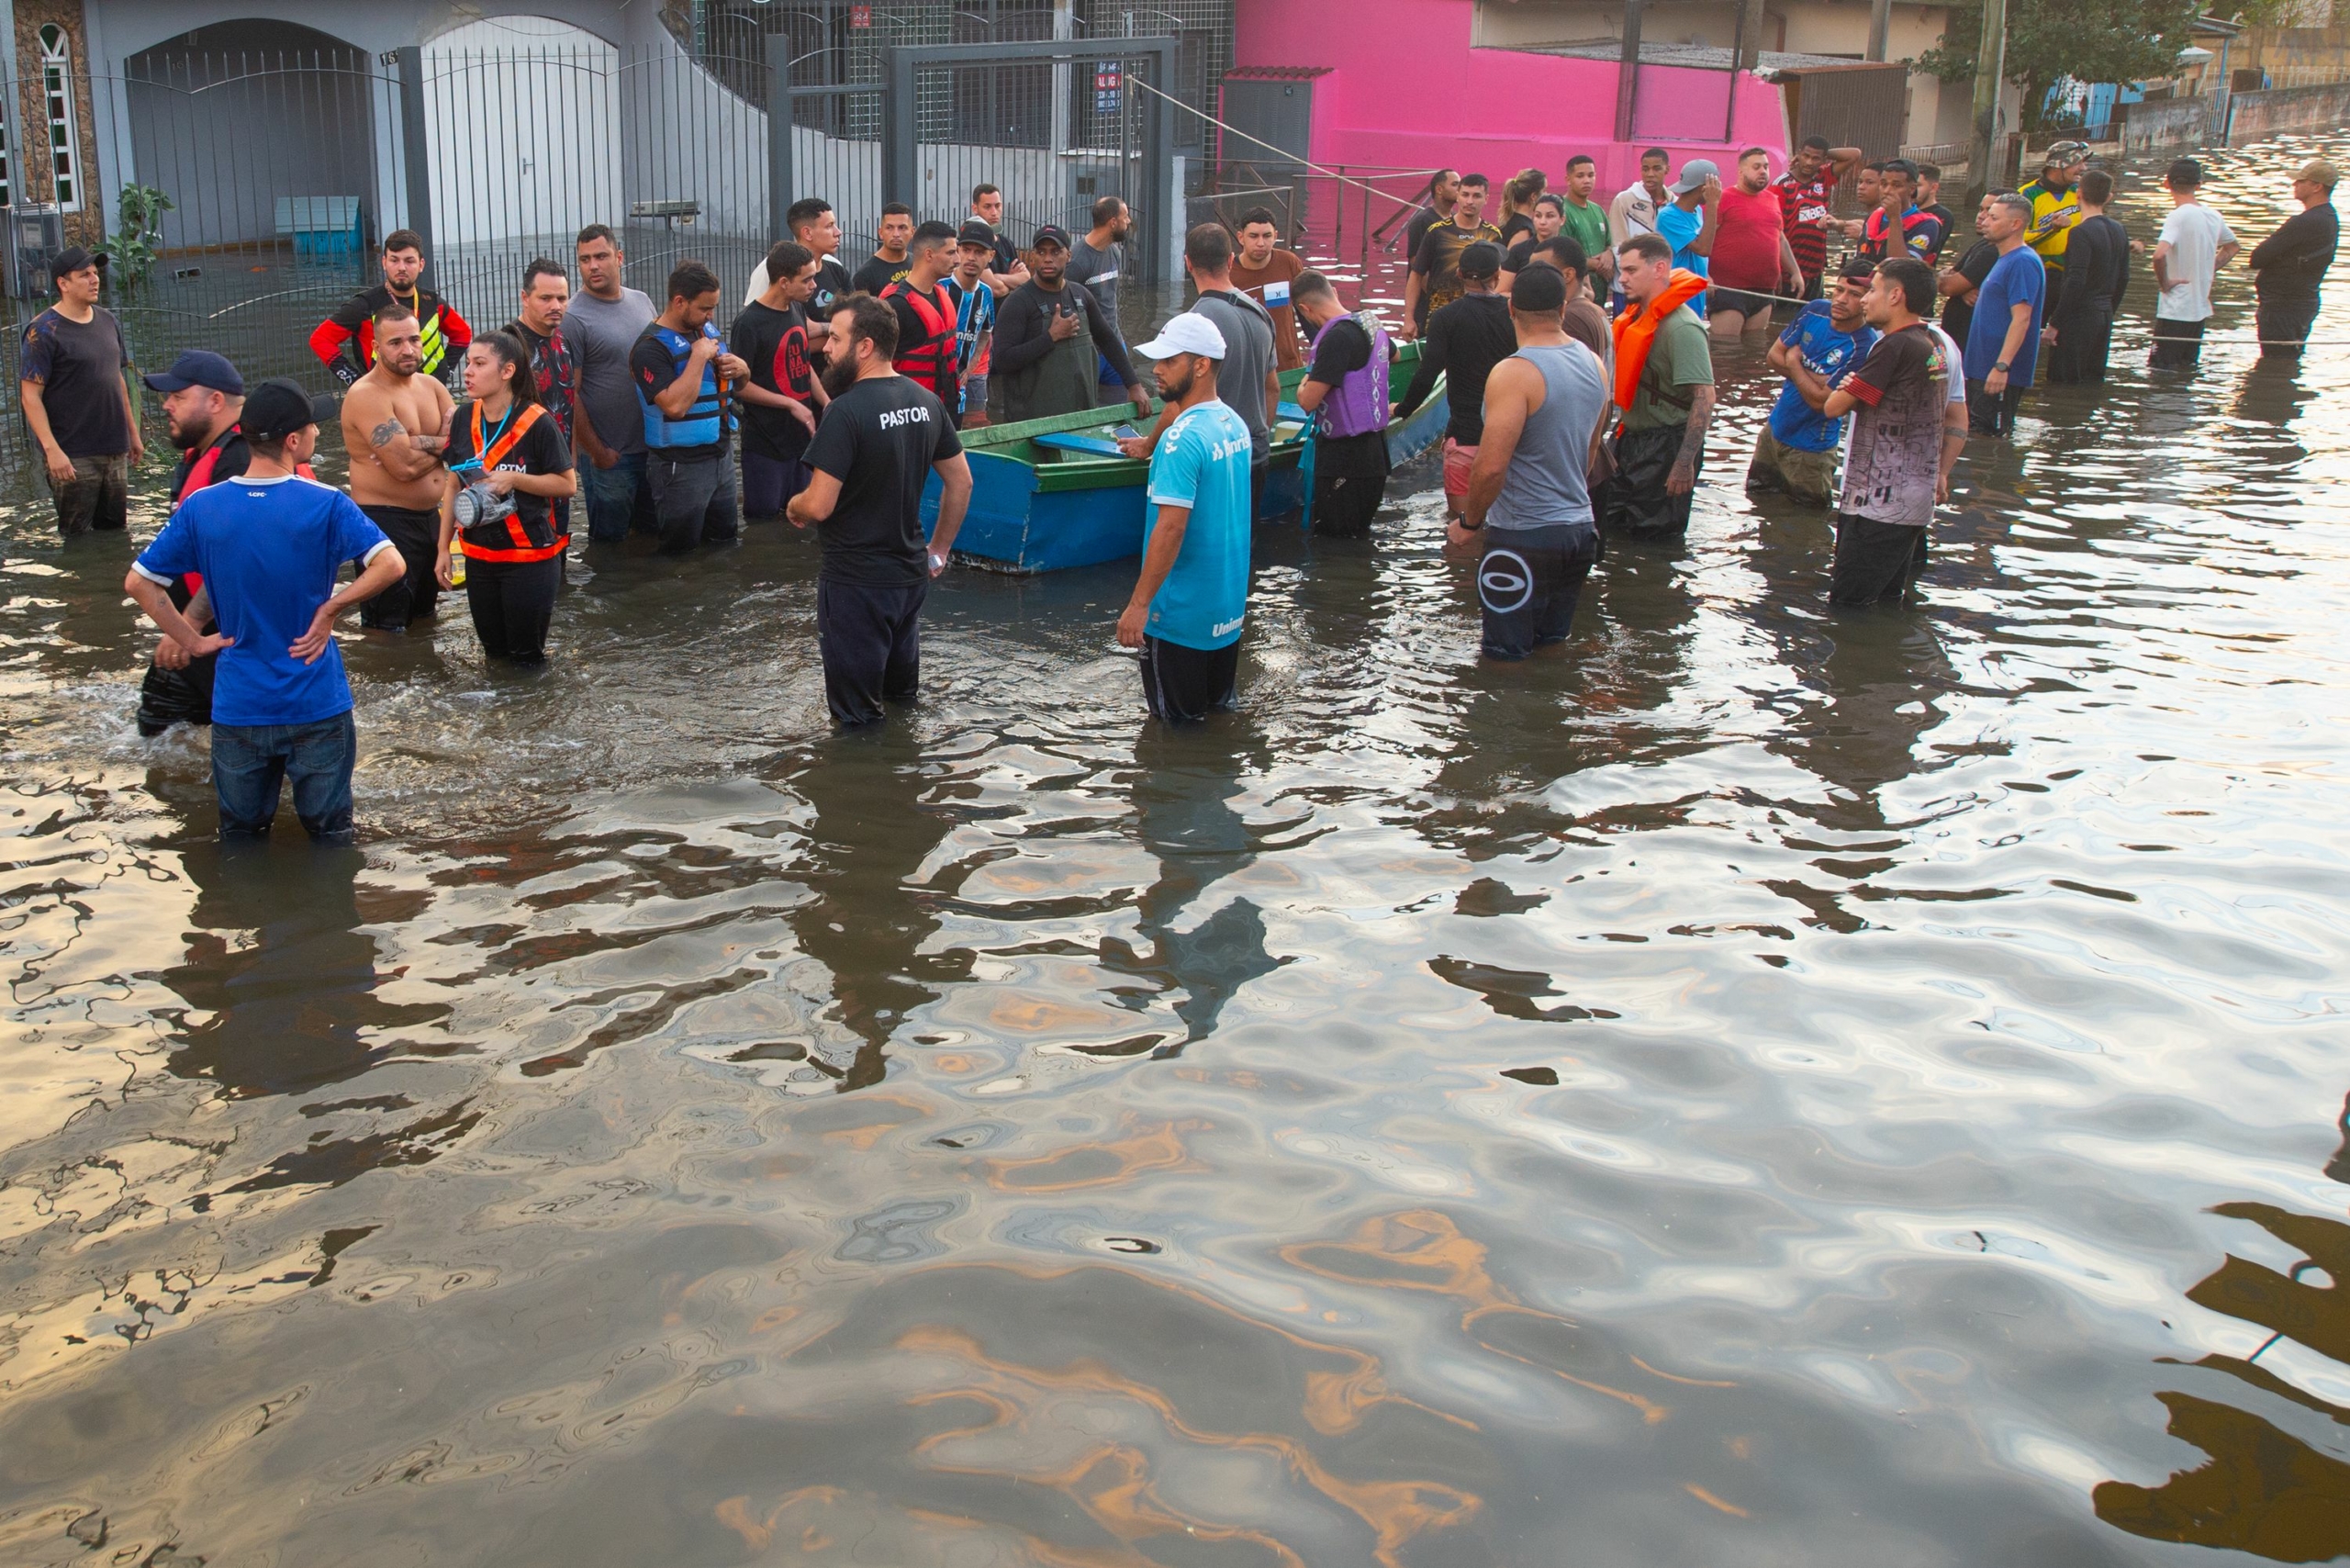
(1695, 172)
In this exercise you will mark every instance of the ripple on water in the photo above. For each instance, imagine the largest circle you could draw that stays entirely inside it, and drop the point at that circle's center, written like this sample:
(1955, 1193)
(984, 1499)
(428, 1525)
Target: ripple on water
(1758, 1084)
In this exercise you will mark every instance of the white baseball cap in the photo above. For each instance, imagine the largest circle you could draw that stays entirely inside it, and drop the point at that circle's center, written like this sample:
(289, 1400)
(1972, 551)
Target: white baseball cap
(1188, 334)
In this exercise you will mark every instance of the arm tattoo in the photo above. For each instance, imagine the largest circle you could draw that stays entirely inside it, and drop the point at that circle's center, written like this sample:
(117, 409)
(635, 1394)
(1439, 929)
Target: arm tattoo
(1693, 438)
(390, 430)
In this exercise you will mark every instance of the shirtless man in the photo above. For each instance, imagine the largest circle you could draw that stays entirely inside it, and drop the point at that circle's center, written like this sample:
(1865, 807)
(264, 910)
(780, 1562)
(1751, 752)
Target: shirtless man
(395, 424)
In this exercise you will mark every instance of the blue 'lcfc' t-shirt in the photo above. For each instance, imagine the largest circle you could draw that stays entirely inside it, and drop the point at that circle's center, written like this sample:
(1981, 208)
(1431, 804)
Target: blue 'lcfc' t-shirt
(269, 550)
(1203, 462)
(1827, 352)
(2016, 278)
(1681, 229)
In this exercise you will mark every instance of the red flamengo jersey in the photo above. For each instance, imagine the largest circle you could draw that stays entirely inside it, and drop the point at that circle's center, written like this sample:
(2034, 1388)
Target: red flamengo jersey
(1803, 207)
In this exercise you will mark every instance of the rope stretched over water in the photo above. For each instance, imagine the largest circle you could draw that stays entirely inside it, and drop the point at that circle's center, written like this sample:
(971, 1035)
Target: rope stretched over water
(2213, 341)
(1292, 157)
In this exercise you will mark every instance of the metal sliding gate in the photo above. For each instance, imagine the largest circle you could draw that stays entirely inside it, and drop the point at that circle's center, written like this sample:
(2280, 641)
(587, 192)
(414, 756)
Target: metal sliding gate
(286, 155)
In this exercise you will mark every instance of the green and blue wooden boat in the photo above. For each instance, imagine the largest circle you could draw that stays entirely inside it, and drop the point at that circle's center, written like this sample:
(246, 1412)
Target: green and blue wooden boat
(1053, 493)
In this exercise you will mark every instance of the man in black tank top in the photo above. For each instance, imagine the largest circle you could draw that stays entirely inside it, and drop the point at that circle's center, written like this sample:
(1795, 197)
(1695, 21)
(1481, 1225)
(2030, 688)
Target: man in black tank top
(1529, 497)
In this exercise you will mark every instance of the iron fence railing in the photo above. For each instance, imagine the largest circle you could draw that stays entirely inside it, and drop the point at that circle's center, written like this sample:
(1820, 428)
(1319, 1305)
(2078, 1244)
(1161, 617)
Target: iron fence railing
(285, 169)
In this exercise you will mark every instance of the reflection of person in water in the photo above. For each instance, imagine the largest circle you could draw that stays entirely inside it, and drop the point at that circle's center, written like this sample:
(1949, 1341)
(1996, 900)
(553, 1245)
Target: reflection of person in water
(2263, 1490)
(1184, 786)
(277, 963)
(870, 917)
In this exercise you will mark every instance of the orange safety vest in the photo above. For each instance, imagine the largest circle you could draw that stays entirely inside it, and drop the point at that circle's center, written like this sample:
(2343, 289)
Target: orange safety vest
(1636, 332)
(931, 364)
(524, 549)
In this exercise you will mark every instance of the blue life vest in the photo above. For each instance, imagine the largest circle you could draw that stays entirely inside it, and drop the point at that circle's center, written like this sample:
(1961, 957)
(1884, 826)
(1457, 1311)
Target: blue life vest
(704, 423)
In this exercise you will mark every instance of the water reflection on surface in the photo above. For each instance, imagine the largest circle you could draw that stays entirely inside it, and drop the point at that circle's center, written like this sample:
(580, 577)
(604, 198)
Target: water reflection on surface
(1750, 1084)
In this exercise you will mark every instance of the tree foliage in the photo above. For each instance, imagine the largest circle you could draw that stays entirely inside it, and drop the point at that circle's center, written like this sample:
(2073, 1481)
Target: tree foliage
(2089, 40)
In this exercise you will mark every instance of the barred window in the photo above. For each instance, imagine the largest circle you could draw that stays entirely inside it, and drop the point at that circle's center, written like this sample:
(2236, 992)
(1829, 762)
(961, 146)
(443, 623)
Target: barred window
(65, 133)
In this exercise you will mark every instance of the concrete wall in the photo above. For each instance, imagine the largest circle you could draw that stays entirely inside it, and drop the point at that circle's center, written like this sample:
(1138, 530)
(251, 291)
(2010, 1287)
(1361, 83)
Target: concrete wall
(2255, 116)
(2168, 122)
(1834, 27)
(1407, 90)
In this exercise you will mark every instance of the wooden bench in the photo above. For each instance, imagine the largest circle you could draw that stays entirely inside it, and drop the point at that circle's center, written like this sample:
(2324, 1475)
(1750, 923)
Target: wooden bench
(322, 226)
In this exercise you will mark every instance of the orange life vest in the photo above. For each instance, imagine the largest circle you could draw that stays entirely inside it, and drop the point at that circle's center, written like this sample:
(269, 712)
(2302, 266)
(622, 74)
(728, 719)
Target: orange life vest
(1636, 332)
(523, 550)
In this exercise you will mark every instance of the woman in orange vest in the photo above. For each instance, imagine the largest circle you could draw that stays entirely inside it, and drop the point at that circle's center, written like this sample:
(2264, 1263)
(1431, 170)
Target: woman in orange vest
(507, 464)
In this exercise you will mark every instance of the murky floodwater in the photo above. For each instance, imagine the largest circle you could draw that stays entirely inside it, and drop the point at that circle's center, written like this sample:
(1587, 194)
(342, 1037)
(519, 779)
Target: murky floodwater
(1756, 1086)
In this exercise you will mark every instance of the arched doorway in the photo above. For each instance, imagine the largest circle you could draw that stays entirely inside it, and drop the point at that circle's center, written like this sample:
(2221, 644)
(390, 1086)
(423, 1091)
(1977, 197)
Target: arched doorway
(236, 121)
(522, 130)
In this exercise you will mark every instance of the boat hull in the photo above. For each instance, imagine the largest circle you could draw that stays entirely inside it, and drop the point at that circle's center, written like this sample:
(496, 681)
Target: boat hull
(1049, 509)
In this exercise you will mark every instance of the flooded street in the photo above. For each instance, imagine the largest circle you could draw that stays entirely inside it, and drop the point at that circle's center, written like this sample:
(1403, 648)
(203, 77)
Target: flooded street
(1753, 1085)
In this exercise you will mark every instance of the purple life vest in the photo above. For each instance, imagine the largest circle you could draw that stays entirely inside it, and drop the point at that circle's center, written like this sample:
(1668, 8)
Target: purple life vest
(1358, 404)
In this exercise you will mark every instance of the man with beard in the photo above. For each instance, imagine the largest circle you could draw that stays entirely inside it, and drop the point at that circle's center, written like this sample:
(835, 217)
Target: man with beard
(601, 325)
(203, 395)
(555, 367)
(888, 263)
(927, 352)
(1041, 353)
(395, 427)
(1098, 260)
(682, 370)
(1444, 196)
(881, 439)
(345, 343)
(1190, 600)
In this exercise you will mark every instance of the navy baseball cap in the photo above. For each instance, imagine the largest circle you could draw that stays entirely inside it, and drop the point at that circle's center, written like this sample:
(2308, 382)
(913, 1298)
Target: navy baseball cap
(199, 368)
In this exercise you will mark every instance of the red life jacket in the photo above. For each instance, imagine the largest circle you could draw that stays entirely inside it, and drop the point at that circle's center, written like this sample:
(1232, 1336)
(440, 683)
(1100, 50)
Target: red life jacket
(522, 549)
(199, 478)
(931, 362)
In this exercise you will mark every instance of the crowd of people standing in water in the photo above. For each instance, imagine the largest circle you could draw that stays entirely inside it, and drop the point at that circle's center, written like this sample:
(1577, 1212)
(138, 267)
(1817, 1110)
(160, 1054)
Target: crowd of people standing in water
(1575, 340)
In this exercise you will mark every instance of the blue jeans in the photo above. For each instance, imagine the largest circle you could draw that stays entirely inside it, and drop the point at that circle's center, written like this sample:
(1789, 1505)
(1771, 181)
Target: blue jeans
(249, 761)
(619, 501)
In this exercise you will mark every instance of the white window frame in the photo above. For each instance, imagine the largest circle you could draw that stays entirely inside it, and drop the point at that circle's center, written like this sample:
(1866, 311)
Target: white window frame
(57, 93)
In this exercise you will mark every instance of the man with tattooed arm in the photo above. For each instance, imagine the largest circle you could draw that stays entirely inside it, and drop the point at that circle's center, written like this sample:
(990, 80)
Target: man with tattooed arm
(395, 426)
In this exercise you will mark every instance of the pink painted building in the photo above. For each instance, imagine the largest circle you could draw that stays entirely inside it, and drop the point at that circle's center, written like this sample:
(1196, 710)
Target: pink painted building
(1403, 84)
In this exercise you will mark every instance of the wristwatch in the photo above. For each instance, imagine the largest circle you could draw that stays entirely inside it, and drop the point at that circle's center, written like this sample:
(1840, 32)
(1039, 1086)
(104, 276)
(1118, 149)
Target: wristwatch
(2001, 366)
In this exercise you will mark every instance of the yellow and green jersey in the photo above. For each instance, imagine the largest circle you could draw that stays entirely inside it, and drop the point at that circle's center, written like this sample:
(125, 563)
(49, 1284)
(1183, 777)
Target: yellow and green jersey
(2054, 213)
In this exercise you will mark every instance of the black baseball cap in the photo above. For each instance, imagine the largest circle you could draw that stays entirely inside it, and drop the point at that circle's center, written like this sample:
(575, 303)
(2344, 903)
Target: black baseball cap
(72, 260)
(199, 368)
(1482, 259)
(1051, 234)
(976, 233)
(1539, 290)
(278, 409)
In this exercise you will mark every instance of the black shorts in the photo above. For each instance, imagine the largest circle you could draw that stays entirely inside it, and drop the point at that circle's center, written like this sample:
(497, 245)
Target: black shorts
(1737, 299)
(1184, 685)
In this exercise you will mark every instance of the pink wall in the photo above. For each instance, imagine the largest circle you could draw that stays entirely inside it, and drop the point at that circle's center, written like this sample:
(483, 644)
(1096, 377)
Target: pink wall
(1405, 90)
